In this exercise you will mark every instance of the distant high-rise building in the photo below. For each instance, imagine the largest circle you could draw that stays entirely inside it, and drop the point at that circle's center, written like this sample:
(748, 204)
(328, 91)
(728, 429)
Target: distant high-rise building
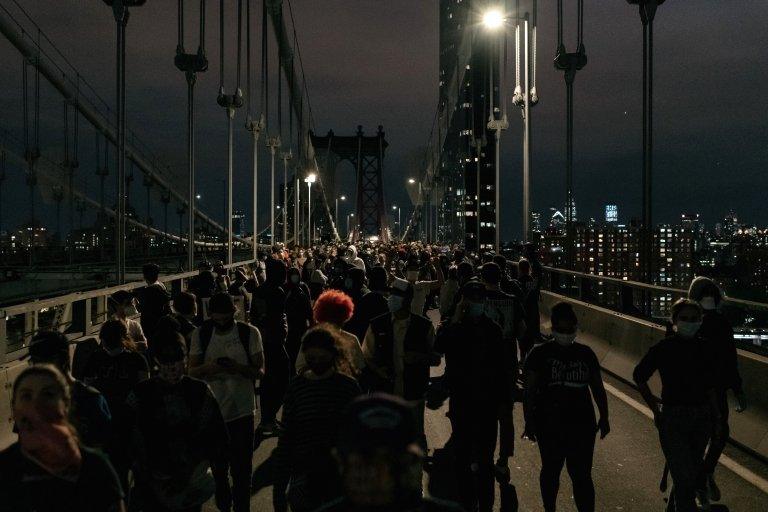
(572, 209)
(536, 222)
(238, 223)
(611, 213)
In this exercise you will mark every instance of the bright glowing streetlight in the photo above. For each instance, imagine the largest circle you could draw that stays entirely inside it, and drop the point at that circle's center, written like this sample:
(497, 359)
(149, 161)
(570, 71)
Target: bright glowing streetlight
(493, 19)
(399, 228)
(336, 211)
(411, 181)
(309, 180)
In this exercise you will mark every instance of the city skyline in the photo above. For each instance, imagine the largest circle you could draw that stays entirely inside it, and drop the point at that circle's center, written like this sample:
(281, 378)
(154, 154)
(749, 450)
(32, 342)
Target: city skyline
(710, 147)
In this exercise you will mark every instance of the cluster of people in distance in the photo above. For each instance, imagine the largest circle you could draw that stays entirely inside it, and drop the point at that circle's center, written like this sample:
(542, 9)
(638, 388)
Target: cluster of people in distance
(332, 350)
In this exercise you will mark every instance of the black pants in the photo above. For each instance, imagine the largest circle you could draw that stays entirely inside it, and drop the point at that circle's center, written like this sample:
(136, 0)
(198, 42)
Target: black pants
(275, 381)
(240, 461)
(474, 440)
(684, 432)
(717, 445)
(573, 446)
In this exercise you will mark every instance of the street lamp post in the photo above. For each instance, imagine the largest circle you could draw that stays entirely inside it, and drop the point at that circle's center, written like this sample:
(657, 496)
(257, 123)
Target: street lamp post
(349, 215)
(120, 12)
(399, 227)
(336, 211)
(493, 20)
(309, 180)
(273, 143)
(297, 211)
(286, 156)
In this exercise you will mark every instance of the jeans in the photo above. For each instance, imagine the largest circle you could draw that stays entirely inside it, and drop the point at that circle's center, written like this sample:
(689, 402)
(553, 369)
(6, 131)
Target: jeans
(275, 381)
(717, 445)
(241, 461)
(684, 432)
(474, 441)
(574, 446)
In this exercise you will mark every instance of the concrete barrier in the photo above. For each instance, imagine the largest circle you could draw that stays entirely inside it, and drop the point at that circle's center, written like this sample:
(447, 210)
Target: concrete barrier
(620, 341)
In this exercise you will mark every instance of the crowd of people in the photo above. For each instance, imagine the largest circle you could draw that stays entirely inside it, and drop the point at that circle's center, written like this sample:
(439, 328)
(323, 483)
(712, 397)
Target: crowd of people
(332, 349)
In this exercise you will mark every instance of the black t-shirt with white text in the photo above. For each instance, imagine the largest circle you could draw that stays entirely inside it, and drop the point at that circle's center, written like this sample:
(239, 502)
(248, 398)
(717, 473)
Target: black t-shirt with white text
(563, 376)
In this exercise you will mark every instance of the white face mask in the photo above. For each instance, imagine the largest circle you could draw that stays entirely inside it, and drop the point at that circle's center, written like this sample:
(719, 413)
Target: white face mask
(708, 303)
(687, 329)
(564, 339)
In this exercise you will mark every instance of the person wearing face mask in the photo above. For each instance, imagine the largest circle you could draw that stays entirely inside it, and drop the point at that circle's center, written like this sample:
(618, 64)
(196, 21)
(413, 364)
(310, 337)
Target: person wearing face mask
(688, 412)
(352, 259)
(562, 378)
(718, 334)
(47, 469)
(421, 289)
(399, 350)
(229, 356)
(380, 460)
(333, 309)
(355, 285)
(313, 404)
(480, 396)
(269, 316)
(371, 303)
(154, 301)
(114, 370)
(89, 412)
(121, 305)
(179, 438)
(298, 312)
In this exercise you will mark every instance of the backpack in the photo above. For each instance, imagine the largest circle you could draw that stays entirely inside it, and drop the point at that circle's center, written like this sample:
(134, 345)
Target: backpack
(243, 331)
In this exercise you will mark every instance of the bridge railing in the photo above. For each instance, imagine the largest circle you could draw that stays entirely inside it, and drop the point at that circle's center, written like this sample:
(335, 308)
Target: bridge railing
(78, 314)
(653, 302)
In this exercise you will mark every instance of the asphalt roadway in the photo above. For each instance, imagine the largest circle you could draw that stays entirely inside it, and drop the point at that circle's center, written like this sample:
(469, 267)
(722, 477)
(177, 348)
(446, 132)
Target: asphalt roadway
(627, 465)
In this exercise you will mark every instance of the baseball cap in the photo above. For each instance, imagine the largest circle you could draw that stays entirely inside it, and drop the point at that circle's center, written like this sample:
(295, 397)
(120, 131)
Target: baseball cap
(221, 303)
(377, 421)
(48, 345)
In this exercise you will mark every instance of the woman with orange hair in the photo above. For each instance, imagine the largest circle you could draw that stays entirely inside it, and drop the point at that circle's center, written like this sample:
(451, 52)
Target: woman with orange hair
(334, 308)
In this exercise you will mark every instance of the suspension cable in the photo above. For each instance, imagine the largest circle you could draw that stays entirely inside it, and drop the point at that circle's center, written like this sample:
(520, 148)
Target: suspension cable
(517, 97)
(280, 90)
(221, 45)
(180, 44)
(534, 95)
(25, 101)
(76, 148)
(66, 134)
(248, 93)
(239, 40)
(37, 97)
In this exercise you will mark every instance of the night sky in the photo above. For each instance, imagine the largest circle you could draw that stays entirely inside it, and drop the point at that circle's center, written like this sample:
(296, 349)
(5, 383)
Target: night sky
(373, 62)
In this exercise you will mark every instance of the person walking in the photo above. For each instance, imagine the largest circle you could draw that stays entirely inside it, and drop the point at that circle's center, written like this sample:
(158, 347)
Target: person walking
(480, 396)
(313, 405)
(717, 332)
(269, 316)
(177, 436)
(298, 312)
(399, 350)
(688, 412)
(562, 378)
(47, 469)
(229, 356)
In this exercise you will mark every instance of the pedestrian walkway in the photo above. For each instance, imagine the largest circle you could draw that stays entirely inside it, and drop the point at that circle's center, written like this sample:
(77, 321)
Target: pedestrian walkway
(627, 467)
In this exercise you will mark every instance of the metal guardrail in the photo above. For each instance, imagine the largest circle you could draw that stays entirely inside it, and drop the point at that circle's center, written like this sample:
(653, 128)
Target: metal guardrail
(652, 302)
(78, 314)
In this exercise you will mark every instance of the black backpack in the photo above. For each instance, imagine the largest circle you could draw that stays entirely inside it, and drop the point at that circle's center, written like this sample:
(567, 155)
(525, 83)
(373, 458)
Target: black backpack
(243, 331)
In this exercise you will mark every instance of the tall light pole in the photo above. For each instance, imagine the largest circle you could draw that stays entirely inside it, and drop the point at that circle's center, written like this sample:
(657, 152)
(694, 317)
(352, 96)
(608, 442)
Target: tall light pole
(273, 143)
(286, 156)
(349, 215)
(297, 211)
(191, 64)
(399, 227)
(309, 180)
(120, 12)
(494, 21)
(336, 211)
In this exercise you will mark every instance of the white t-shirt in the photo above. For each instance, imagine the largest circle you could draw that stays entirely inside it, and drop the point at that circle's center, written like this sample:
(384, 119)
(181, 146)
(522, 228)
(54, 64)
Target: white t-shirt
(420, 291)
(233, 392)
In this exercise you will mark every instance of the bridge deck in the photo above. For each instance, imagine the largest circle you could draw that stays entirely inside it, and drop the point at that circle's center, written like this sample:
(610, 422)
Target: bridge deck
(627, 465)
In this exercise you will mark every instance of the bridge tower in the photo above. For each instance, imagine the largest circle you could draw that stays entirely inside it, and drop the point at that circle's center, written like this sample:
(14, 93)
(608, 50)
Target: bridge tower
(366, 154)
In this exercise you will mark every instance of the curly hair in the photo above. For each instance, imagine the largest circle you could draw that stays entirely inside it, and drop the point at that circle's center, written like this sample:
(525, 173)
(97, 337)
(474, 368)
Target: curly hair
(333, 306)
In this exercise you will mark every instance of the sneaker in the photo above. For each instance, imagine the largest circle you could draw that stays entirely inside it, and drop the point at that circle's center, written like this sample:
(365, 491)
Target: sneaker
(702, 500)
(714, 490)
(268, 428)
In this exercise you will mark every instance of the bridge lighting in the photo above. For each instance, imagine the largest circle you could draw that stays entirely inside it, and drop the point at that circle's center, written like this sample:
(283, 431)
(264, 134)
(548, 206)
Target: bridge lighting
(311, 178)
(411, 181)
(343, 198)
(198, 196)
(493, 19)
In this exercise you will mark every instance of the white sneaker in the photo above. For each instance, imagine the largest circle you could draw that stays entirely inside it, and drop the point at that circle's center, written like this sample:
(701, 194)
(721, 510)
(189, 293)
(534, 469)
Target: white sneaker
(702, 499)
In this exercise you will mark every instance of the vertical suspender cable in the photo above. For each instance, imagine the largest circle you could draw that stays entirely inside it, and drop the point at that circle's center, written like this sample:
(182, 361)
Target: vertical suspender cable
(255, 128)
